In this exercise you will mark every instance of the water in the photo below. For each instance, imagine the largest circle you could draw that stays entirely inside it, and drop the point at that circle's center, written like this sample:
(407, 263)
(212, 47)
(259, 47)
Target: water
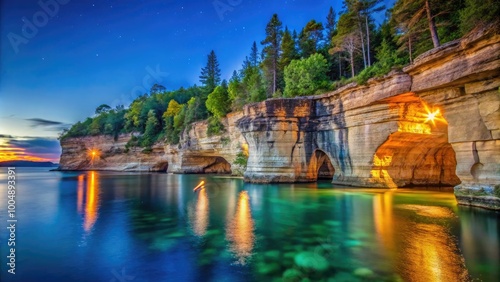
(94, 226)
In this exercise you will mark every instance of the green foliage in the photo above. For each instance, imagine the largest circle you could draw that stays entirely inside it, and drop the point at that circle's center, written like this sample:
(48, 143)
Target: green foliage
(225, 141)
(241, 159)
(102, 109)
(496, 190)
(271, 54)
(240, 163)
(173, 109)
(310, 37)
(478, 13)
(132, 143)
(210, 74)
(152, 129)
(306, 76)
(215, 126)
(218, 102)
(387, 60)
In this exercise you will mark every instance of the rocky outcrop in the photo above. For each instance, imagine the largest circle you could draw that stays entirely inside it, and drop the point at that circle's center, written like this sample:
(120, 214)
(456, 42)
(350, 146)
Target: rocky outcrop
(196, 153)
(435, 123)
(200, 153)
(107, 153)
(380, 134)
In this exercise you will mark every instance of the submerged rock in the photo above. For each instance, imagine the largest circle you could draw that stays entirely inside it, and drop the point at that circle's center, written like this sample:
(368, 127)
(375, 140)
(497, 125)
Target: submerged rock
(273, 255)
(292, 275)
(363, 272)
(268, 268)
(311, 262)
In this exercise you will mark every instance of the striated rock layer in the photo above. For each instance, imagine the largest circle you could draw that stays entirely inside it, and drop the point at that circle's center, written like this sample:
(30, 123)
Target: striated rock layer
(379, 134)
(374, 135)
(196, 153)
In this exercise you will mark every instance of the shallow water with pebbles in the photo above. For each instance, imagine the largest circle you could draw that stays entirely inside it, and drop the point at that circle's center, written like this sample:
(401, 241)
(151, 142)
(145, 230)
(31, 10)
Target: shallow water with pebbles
(93, 226)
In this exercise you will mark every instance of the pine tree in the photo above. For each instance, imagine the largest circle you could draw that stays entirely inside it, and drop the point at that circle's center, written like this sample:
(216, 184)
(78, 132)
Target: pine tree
(368, 7)
(331, 31)
(254, 55)
(478, 13)
(271, 53)
(310, 38)
(409, 13)
(347, 39)
(210, 74)
(331, 25)
(289, 53)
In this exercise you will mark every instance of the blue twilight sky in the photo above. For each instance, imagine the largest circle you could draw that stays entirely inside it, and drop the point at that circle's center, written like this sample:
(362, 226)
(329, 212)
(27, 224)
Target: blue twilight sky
(60, 59)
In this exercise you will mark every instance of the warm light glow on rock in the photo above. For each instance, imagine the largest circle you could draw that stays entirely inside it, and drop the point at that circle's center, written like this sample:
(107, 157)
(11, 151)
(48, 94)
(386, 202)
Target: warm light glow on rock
(244, 148)
(432, 114)
(93, 154)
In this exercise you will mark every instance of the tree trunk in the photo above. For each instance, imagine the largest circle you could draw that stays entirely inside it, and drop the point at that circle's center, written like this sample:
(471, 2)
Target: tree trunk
(362, 41)
(432, 25)
(351, 54)
(368, 41)
(340, 67)
(409, 49)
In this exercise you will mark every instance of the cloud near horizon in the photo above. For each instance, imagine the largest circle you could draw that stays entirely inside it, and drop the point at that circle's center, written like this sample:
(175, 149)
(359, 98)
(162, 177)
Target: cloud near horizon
(48, 124)
(37, 149)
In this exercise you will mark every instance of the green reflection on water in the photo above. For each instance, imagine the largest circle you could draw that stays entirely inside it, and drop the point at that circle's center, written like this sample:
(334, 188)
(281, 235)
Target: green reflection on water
(316, 231)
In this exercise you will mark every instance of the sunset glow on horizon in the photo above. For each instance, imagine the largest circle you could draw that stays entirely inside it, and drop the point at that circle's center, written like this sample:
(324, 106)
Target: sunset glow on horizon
(26, 149)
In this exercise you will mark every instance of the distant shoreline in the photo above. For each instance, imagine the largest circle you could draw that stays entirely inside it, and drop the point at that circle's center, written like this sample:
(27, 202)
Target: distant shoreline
(27, 164)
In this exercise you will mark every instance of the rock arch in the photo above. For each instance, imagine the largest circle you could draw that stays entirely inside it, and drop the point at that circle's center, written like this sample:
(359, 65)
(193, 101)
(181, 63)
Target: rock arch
(320, 166)
(410, 159)
(218, 166)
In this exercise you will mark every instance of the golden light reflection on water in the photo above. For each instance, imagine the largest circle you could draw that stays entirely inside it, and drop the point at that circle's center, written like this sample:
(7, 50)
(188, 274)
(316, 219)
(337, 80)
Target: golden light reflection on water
(200, 218)
(384, 219)
(79, 200)
(92, 202)
(430, 254)
(417, 239)
(240, 230)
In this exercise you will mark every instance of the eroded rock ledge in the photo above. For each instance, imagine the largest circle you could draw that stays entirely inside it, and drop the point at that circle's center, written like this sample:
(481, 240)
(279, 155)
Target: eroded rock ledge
(373, 135)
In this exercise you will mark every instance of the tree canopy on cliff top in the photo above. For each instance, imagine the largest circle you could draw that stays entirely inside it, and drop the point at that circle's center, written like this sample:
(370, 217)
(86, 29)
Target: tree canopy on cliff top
(347, 46)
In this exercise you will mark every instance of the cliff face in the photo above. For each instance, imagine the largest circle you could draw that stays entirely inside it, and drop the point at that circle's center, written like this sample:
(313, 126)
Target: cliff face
(381, 134)
(110, 154)
(377, 135)
(196, 153)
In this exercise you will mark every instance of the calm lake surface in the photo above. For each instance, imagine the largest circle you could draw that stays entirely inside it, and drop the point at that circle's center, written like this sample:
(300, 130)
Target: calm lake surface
(97, 226)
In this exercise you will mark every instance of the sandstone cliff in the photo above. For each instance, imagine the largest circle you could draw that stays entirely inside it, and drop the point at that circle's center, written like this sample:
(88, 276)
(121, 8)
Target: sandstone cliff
(196, 153)
(373, 135)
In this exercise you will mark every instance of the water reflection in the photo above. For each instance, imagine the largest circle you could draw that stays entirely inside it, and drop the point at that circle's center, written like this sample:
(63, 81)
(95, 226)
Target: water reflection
(79, 194)
(383, 219)
(91, 201)
(240, 230)
(427, 250)
(199, 217)
(479, 241)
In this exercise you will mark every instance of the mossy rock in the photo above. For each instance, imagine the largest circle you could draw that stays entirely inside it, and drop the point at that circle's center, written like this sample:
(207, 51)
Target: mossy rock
(292, 275)
(273, 255)
(363, 272)
(311, 262)
(268, 268)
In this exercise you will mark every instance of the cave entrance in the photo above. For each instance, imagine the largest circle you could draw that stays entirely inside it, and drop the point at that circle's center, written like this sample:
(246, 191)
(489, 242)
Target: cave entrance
(320, 166)
(218, 166)
(410, 160)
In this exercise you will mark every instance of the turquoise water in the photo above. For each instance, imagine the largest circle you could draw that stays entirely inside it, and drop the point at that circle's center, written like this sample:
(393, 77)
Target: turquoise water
(95, 226)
